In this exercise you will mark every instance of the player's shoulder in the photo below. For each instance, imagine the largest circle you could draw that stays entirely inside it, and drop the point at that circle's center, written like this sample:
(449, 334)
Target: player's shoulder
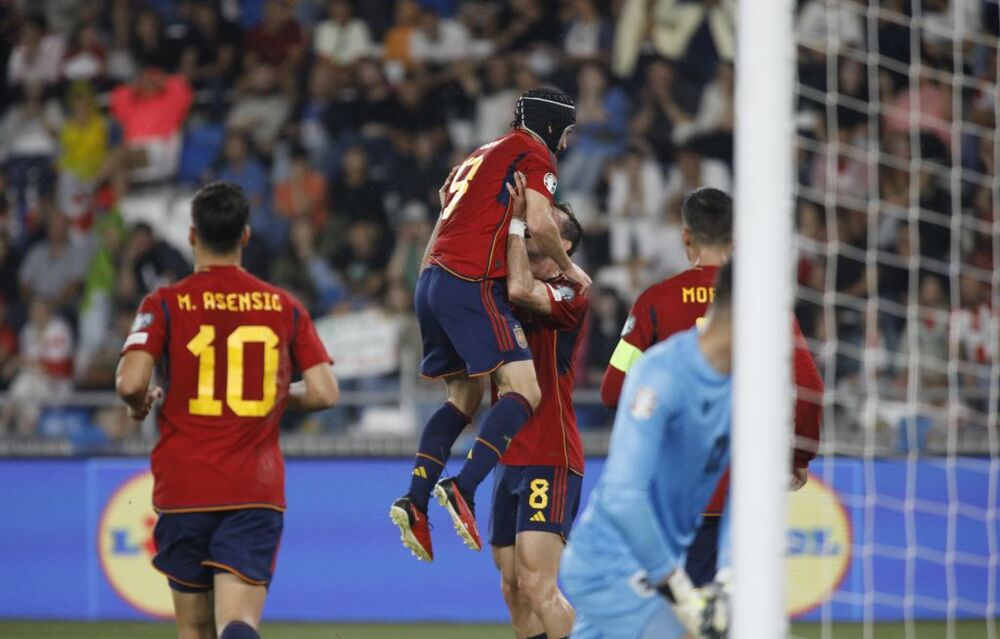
(665, 290)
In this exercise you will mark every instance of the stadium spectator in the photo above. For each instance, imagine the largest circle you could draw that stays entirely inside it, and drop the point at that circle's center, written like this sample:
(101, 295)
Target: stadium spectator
(342, 39)
(147, 264)
(494, 97)
(601, 126)
(100, 287)
(29, 142)
(149, 44)
(424, 169)
(86, 56)
(712, 125)
(53, 268)
(261, 107)
(354, 194)
(38, 56)
(211, 49)
(151, 112)
(664, 104)
(362, 260)
(300, 268)
(635, 205)
(84, 147)
(439, 41)
(689, 172)
(8, 346)
(302, 195)
(44, 368)
(396, 45)
(277, 42)
(608, 313)
(412, 234)
(10, 265)
(588, 36)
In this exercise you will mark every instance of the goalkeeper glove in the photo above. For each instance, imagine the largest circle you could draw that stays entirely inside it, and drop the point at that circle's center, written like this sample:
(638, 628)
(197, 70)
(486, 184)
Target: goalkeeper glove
(687, 603)
(715, 618)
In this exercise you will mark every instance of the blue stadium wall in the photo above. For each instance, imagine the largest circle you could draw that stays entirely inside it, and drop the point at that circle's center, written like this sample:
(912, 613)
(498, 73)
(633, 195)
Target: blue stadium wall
(75, 542)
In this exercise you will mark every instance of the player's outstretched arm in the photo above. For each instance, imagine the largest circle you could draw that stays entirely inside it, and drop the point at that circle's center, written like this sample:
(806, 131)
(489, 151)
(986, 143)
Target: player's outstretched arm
(544, 231)
(317, 390)
(135, 371)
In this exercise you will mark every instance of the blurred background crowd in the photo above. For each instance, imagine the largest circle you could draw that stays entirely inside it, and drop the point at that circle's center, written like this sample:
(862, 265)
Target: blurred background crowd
(341, 119)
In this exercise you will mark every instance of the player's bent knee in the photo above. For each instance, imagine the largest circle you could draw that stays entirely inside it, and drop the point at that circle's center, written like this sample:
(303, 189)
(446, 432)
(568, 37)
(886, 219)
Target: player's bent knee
(508, 587)
(536, 588)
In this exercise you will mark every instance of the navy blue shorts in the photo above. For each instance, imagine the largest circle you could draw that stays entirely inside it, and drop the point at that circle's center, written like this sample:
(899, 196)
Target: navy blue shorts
(192, 547)
(466, 326)
(703, 552)
(543, 498)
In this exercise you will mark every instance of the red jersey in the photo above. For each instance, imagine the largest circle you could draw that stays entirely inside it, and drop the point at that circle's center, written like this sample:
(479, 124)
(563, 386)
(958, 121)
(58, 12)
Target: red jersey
(676, 304)
(472, 236)
(226, 343)
(551, 437)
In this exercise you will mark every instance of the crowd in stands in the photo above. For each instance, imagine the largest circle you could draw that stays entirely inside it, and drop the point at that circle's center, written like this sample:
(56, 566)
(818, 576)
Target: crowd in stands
(340, 119)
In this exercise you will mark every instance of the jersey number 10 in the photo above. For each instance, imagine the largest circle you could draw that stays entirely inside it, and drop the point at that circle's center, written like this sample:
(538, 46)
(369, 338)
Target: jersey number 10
(202, 347)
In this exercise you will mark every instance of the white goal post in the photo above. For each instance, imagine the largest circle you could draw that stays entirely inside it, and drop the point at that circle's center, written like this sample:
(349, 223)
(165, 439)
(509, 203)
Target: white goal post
(763, 311)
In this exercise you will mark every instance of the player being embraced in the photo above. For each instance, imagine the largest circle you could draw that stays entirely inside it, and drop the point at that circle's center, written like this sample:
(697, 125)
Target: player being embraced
(226, 343)
(624, 566)
(676, 304)
(536, 490)
(468, 328)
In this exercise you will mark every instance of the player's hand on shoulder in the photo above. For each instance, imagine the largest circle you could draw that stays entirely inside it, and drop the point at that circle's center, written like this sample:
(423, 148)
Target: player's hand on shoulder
(578, 275)
(517, 190)
(152, 395)
(715, 616)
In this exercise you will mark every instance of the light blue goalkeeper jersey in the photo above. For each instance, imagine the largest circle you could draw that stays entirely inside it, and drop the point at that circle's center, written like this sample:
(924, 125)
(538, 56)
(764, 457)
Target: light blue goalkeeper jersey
(669, 447)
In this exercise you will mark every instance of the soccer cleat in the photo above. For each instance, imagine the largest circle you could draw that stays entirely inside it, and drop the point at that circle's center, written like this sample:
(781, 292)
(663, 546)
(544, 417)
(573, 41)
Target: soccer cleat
(462, 511)
(414, 530)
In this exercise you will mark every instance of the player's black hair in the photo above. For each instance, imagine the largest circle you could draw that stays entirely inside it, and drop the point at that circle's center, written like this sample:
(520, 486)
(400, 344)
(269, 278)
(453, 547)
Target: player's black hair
(220, 211)
(545, 112)
(570, 228)
(724, 285)
(708, 215)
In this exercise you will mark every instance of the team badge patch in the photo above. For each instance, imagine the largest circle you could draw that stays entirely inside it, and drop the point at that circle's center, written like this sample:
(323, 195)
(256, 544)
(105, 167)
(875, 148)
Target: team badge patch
(629, 325)
(566, 294)
(519, 336)
(644, 403)
(550, 183)
(142, 320)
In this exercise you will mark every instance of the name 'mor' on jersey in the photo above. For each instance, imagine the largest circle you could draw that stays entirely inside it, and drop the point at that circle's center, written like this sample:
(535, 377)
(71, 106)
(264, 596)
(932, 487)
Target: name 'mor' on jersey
(226, 343)
(472, 236)
(669, 447)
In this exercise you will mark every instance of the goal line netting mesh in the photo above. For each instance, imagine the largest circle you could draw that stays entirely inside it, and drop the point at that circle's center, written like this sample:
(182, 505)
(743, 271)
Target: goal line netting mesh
(897, 202)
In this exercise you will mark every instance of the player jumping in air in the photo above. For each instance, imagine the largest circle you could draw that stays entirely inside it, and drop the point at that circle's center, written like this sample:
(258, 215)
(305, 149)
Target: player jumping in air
(676, 304)
(468, 328)
(537, 485)
(226, 343)
(624, 566)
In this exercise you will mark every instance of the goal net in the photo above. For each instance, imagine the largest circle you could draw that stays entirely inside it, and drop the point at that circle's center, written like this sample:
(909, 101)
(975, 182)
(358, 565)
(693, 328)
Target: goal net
(898, 291)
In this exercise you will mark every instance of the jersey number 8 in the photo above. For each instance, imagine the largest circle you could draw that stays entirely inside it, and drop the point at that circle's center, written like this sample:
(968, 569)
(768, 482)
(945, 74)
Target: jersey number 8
(201, 346)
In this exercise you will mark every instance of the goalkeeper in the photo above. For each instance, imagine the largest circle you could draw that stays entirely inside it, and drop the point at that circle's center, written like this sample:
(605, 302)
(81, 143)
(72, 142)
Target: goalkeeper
(623, 569)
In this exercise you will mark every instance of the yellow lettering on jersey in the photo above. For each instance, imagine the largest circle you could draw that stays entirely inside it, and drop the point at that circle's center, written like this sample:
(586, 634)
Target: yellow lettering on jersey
(697, 294)
(184, 302)
(244, 301)
(208, 301)
(258, 301)
(267, 303)
(235, 302)
(220, 301)
(276, 302)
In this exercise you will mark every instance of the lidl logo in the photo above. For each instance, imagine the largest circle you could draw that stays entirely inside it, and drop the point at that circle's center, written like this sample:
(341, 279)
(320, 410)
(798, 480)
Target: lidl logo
(819, 546)
(126, 547)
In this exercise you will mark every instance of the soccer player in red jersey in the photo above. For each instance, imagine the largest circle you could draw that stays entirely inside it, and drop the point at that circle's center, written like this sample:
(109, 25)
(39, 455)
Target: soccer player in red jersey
(536, 492)
(226, 343)
(676, 304)
(466, 322)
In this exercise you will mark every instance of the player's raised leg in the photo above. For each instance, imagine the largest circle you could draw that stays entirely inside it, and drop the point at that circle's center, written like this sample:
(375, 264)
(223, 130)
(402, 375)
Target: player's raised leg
(517, 386)
(409, 512)
(525, 622)
(238, 607)
(195, 613)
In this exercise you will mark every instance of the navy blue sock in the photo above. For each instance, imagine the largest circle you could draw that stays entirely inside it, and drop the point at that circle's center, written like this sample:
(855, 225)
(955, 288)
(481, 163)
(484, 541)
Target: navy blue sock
(238, 630)
(502, 421)
(541, 636)
(439, 435)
